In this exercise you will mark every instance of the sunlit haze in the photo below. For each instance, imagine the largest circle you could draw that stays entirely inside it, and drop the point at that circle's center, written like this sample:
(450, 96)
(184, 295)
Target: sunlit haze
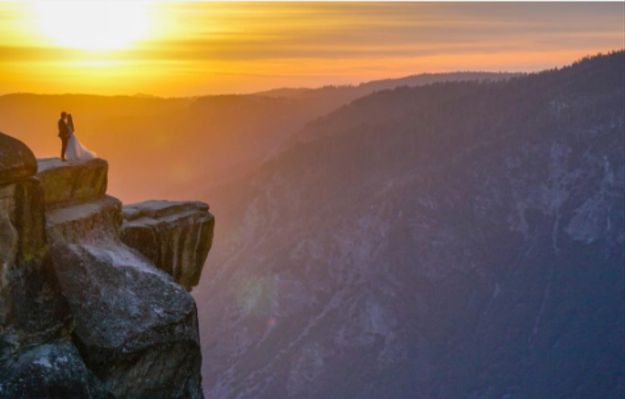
(177, 49)
(93, 26)
(319, 200)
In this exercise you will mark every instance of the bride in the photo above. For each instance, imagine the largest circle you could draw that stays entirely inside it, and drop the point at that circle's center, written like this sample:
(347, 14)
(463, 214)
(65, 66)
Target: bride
(75, 151)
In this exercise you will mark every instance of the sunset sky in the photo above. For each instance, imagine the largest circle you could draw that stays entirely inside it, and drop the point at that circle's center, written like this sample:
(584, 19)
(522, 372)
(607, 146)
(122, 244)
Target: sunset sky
(177, 48)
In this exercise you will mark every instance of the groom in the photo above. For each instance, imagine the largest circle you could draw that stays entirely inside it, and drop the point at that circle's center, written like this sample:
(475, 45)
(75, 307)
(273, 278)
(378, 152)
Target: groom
(63, 134)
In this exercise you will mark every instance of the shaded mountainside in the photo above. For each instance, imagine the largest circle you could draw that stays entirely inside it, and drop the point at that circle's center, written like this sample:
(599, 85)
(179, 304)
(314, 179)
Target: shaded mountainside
(459, 240)
(83, 315)
(181, 141)
(351, 92)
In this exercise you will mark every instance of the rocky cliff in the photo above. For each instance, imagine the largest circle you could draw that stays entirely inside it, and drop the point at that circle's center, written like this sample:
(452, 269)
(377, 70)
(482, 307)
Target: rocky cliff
(82, 314)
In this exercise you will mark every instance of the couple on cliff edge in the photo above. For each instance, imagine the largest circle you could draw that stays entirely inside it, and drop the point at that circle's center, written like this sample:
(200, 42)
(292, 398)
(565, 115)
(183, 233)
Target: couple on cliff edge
(71, 149)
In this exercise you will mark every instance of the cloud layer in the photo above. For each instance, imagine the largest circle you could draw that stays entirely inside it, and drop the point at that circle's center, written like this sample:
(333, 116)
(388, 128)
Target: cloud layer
(197, 48)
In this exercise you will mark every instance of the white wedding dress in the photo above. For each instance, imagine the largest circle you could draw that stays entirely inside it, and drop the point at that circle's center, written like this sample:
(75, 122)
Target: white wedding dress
(75, 151)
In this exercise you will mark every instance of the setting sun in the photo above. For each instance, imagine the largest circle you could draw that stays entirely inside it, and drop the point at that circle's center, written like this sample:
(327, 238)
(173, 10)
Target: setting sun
(178, 48)
(92, 25)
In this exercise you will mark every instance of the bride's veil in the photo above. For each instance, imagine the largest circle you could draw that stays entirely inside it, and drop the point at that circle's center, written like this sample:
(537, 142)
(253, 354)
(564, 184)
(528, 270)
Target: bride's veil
(75, 150)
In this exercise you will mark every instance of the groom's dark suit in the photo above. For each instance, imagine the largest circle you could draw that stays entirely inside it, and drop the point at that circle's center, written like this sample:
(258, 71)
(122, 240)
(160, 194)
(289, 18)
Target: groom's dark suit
(64, 135)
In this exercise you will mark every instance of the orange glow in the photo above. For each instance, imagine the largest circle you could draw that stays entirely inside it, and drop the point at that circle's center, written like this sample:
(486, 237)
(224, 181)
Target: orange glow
(176, 48)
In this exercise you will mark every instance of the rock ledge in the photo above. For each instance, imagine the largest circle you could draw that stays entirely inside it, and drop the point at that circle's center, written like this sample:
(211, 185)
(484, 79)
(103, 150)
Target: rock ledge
(72, 182)
(175, 236)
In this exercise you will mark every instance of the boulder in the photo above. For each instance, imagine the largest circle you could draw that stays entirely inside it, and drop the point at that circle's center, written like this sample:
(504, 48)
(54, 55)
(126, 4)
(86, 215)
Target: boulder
(91, 221)
(135, 327)
(175, 236)
(72, 181)
(52, 370)
(16, 160)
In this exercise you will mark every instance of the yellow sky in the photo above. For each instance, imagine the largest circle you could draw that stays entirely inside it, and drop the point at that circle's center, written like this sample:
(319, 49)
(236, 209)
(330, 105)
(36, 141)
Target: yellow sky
(177, 48)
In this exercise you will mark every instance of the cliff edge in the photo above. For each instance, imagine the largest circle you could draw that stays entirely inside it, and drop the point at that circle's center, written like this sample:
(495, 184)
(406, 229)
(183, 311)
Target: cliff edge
(86, 310)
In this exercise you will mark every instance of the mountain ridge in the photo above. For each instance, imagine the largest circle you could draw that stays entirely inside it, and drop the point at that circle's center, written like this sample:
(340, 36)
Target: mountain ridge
(452, 240)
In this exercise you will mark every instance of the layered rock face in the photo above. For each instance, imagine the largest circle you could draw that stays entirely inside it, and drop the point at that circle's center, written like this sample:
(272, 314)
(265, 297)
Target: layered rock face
(175, 236)
(84, 315)
(37, 358)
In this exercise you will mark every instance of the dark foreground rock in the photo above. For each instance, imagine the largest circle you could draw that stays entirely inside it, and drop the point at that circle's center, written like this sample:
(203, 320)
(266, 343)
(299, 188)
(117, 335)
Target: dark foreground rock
(51, 370)
(175, 236)
(135, 327)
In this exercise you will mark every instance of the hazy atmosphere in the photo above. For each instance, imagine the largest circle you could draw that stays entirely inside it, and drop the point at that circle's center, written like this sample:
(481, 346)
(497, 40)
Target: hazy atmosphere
(312, 200)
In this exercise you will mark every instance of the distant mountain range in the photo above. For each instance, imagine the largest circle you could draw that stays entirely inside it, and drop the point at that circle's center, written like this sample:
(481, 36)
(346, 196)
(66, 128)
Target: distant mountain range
(186, 143)
(346, 93)
(457, 240)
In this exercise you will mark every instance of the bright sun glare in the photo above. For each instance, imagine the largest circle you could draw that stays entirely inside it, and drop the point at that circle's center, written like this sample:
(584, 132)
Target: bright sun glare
(93, 25)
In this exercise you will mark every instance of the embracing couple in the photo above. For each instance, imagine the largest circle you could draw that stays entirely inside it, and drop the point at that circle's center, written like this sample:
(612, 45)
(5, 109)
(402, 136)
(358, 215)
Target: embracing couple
(71, 149)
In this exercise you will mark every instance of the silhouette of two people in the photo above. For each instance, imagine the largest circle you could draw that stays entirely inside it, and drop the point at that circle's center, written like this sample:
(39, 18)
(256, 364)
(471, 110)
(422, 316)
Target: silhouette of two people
(71, 148)
(66, 128)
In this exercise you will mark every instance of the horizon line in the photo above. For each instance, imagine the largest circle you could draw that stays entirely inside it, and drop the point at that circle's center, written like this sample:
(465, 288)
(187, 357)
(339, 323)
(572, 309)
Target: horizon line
(329, 85)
